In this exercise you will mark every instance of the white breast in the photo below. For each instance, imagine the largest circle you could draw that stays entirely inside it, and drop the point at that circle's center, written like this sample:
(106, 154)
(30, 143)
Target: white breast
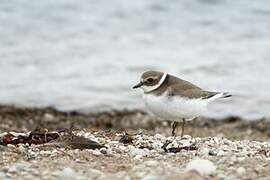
(175, 108)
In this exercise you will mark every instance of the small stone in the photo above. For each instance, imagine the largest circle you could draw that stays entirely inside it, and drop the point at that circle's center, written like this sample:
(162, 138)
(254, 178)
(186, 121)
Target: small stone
(221, 153)
(186, 143)
(11, 146)
(241, 159)
(212, 153)
(239, 147)
(49, 117)
(138, 157)
(186, 137)
(12, 169)
(159, 136)
(96, 153)
(204, 152)
(227, 142)
(241, 171)
(233, 160)
(103, 150)
(137, 151)
(221, 176)
(151, 163)
(22, 148)
(17, 167)
(68, 173)
(45, 152)
(203, 166)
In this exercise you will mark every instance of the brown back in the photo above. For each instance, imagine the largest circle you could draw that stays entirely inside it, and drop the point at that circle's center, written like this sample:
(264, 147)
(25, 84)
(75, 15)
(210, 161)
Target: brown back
(178, 87)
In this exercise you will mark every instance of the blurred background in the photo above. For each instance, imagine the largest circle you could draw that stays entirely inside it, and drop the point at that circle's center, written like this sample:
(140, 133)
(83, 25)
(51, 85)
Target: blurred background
(86, 55)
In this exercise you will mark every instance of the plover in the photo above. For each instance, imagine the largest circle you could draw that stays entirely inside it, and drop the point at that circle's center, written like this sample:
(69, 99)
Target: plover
(173, 99)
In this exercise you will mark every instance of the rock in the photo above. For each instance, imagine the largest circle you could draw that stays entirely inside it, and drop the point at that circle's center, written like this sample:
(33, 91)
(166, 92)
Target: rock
(151, 163)
(134, 152)
(240, 159)
(204, 167)
(213, 152)
(221, 153)
(186, 143)
(186, 137)
(49, 118)
(138, 157)
(204, 152)
(96, 152)
(44, 153)
(241, 171)
(68, 173)
(221, 176)
(11, 146)
(159, 136)
(103, 151)
(16, 168)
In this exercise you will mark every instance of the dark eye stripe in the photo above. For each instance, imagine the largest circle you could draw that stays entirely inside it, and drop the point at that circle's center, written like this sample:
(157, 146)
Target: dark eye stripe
(150, 80)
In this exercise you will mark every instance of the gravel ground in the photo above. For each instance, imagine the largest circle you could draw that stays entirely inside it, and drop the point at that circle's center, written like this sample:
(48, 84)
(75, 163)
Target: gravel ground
(137, 146)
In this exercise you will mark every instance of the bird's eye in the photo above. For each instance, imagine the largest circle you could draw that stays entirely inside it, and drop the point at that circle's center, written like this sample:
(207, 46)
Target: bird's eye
(150, 80)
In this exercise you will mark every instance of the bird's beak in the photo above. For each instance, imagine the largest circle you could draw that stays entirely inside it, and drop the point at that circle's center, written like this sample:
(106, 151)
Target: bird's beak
(138, 85)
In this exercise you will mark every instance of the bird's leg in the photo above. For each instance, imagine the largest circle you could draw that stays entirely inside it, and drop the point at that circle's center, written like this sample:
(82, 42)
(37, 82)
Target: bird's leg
(183, 127)
(174, 125)
(194, 121)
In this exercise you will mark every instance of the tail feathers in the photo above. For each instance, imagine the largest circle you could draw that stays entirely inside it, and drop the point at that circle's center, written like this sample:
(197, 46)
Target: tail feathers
(215, 96)
(226, 95)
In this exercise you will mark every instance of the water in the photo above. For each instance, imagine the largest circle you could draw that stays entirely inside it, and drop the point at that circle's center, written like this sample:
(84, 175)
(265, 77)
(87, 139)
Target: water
(86, 55)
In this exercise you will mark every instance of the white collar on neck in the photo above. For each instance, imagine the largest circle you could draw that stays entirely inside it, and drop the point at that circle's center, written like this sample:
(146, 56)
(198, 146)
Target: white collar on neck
(147, 89)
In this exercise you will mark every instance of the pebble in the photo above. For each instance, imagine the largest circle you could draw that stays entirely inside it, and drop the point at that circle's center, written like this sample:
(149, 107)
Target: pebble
(49, 117)
(11, 146)
(103, 151)
(221, 153)
(45, 152)
(16, 167)
(227, 142)
(229, 153)
(137, 151)
(186, 137)
(151, 163)
(203, 166)
(204, 152)
(96, 152)
(138, 157)
(241, 171)
(68, 173)
(241, 159)
(213, 152)
(159, 136)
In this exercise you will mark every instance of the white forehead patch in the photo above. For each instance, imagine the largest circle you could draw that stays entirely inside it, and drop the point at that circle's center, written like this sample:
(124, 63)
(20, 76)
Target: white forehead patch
(152, 88)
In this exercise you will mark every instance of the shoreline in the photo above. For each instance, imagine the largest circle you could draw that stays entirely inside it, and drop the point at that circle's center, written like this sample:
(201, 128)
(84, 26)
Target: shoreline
(133, 145)
(24, 119)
